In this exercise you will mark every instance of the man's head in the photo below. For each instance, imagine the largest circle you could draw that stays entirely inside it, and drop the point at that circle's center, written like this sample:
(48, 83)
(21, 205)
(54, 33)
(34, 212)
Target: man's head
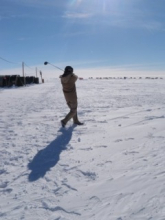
(68, 69)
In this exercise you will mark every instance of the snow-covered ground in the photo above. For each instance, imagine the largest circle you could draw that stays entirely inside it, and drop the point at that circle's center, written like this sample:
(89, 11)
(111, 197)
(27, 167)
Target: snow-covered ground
(112, 168)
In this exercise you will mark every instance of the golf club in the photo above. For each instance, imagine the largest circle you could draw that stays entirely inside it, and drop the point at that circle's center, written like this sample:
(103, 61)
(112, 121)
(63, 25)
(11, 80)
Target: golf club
(46, 63)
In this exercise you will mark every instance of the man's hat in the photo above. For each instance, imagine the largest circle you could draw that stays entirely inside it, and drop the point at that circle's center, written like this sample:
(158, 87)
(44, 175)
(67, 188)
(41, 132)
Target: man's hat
(69, 69)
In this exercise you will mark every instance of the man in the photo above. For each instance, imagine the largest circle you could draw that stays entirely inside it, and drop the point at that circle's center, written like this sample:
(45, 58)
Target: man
(68, 80)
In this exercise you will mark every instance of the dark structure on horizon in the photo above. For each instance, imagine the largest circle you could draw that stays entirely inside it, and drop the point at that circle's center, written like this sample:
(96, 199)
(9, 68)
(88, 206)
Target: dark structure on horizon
(17, 80)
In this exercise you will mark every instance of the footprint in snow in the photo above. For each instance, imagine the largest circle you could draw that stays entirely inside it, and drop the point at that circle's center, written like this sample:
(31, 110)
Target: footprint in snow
(129, 139)
(102, 146)
(131, 152)
(51, 208)
(95, 199)
(118, 140)
(2, 171)
(3, 185)
(86, 149)
(88, 175)
(9, 190)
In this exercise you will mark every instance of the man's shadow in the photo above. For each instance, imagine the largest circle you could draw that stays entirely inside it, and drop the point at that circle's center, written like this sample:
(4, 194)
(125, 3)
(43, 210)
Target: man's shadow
(49, 157)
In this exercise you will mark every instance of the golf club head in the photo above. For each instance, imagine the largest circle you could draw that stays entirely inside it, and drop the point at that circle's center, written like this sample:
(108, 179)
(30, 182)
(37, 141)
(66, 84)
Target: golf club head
(45, 63)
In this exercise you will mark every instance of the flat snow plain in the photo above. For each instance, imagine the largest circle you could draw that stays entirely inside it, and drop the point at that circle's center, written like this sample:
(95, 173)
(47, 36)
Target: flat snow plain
(112, 168)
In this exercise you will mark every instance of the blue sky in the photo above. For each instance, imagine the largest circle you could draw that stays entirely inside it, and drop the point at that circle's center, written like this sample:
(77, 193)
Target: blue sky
(83, 33)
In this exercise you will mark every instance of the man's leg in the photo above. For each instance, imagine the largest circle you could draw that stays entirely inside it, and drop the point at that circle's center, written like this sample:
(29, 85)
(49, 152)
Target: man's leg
(72, 113)
(75, 119)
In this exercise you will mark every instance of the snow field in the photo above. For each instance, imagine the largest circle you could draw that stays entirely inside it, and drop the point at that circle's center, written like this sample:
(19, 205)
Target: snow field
(112, 168)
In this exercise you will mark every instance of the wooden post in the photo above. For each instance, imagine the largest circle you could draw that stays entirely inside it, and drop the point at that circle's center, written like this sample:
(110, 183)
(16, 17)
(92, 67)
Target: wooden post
(36, 72)
(23, 73)
(42, 81)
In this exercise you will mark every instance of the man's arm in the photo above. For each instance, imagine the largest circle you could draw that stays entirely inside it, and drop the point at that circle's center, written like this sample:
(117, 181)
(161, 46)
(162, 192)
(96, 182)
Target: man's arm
(74, 78)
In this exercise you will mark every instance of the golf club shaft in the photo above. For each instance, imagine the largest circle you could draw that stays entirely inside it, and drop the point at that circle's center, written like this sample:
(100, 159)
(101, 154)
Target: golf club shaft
(46, 63)
(55, 66)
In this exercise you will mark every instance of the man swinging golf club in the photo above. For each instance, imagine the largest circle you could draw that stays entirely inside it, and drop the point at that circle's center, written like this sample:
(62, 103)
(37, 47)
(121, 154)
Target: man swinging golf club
(68, 80)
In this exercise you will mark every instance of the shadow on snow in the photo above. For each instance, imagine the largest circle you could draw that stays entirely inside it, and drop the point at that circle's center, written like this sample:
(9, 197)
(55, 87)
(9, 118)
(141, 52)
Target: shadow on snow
(49, 157)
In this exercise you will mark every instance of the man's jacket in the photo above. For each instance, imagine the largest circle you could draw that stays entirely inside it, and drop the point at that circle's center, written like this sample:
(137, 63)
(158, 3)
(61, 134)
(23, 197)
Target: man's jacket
(69, 87)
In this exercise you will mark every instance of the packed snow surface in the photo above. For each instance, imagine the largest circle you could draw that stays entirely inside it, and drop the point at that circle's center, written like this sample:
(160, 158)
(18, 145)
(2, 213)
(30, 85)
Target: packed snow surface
(111, 168)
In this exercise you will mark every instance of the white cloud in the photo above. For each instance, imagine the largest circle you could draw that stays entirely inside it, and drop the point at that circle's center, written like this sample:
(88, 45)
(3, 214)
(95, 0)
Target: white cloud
(36, 3)
(152, 25)
(77, 15)
(134, 19)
